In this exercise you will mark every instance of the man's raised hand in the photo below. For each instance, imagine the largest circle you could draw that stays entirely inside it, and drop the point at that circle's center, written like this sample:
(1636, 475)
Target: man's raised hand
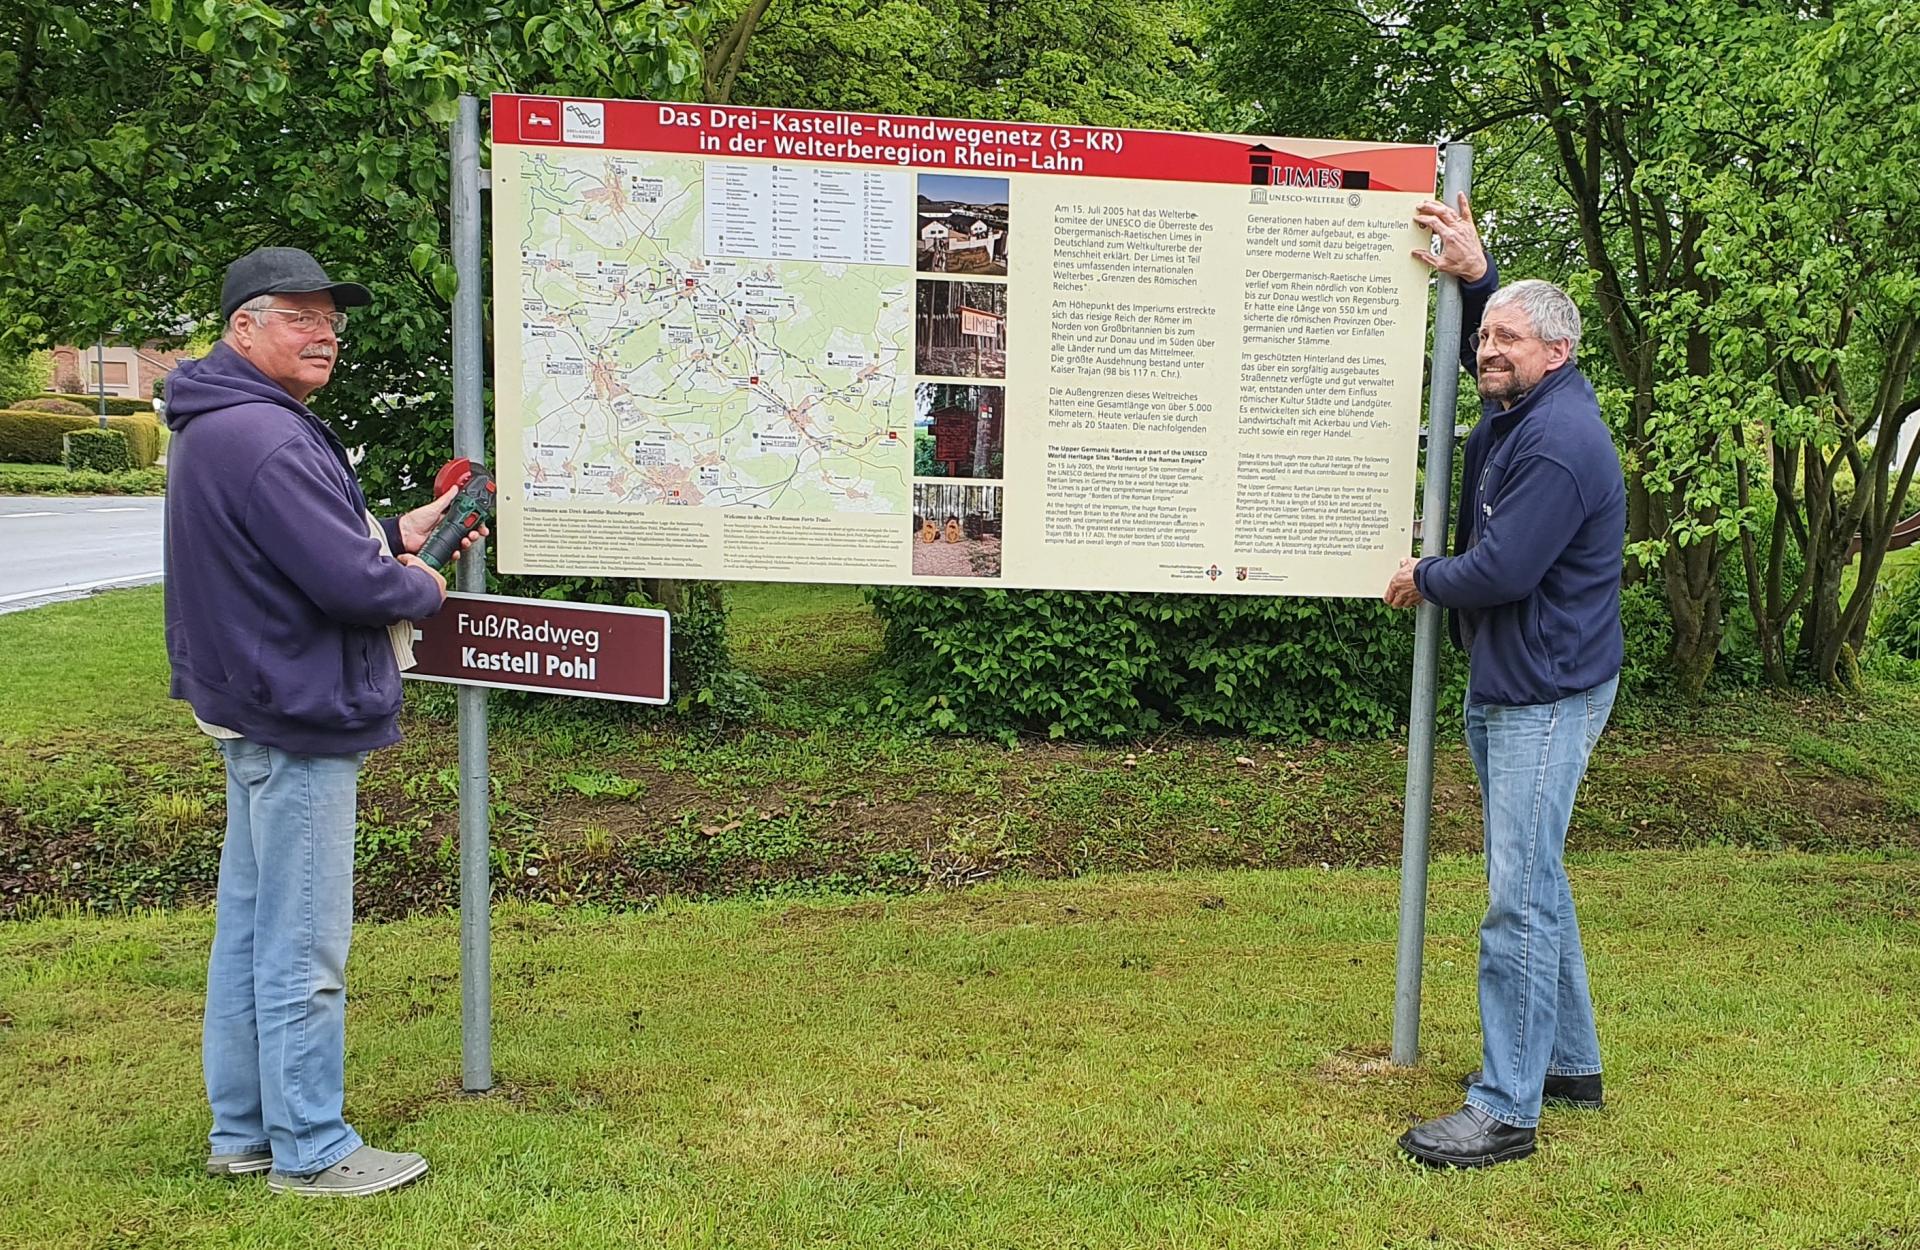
(1460, 251)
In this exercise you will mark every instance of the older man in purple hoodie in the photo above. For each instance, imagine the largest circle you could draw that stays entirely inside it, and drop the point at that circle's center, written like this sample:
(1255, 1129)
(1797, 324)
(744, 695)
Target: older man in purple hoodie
(288, 606)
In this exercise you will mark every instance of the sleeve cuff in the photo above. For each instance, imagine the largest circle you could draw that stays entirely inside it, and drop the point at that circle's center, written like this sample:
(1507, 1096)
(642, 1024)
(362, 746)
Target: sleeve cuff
(391, 526)
(1420, 572)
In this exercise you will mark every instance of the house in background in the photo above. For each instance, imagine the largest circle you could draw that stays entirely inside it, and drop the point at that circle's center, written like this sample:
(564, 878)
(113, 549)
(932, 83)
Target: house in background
(130, 371)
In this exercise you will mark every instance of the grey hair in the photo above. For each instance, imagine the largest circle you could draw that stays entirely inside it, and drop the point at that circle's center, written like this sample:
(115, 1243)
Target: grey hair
(256, 303)
(1555, 317)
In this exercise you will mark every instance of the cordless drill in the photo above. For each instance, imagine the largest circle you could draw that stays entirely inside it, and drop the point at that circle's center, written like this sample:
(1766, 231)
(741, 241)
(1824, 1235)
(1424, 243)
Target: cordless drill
(470, 509)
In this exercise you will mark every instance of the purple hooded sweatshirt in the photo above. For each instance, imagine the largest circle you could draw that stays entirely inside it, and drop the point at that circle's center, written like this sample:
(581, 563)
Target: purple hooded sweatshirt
(278, 596)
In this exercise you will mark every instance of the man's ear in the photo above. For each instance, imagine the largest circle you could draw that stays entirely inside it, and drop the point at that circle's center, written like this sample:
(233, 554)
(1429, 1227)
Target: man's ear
(1559, 351)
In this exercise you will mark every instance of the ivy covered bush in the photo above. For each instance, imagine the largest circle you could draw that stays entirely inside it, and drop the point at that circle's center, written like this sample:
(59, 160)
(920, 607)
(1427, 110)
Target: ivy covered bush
(1108, 666)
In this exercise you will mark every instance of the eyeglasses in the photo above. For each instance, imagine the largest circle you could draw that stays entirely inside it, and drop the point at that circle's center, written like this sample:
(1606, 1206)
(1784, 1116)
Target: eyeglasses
(308, 320)
(1500, 340)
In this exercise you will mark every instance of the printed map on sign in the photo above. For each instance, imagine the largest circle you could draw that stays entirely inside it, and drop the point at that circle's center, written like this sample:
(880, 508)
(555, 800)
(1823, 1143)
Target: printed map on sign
(670, 358)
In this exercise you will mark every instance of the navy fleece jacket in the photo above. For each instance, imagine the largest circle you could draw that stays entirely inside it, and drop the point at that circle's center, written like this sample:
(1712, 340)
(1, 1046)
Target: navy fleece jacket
(278, 596)
(1534, 581)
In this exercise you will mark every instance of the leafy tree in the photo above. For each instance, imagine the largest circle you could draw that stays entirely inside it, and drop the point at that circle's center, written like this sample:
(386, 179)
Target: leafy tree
(168, 142)
(924, 465)
(1088, 62)
(1720, 183)
(1811, 254)
(23, 376)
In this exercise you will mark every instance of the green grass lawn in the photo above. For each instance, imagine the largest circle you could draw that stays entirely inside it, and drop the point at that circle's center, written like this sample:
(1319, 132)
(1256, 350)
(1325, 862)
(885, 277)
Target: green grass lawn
(1151, 1060)
(1067, 1055)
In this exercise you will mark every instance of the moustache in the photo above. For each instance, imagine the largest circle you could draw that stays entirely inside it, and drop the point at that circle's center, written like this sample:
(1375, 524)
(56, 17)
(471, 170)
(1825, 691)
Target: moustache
(317, 353)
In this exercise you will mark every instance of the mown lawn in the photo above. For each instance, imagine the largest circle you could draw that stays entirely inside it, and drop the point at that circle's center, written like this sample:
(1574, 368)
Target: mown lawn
(1147, 1060)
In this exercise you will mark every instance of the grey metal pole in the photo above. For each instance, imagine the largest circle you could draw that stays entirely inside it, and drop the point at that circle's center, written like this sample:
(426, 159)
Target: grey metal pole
(1435, 510)
(470, 439)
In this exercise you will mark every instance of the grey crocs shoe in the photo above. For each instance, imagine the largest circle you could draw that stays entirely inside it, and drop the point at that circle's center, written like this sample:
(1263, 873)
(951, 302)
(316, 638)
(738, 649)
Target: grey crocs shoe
(246, 1163)
(365, 1171)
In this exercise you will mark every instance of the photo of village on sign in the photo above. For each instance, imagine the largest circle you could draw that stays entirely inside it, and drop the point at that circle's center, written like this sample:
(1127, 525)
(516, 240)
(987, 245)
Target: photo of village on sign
(962, 225)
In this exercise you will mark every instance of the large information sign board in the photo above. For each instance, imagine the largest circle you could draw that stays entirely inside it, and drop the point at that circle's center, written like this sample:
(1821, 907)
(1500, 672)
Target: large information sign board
(783, 345)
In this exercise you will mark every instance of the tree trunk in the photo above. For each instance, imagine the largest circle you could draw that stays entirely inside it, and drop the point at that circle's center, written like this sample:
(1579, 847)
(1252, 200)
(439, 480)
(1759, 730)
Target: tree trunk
(1693, 592)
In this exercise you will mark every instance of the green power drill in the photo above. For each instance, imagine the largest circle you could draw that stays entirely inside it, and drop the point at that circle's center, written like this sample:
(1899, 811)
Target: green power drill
(470, 509)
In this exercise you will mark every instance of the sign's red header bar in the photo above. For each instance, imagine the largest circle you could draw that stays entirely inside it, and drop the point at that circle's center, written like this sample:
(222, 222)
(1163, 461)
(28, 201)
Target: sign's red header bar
(804, 135)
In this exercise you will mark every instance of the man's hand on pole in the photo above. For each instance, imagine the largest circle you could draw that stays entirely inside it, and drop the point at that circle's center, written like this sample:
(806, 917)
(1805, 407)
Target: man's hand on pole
(1401, 591)
(1460, 252)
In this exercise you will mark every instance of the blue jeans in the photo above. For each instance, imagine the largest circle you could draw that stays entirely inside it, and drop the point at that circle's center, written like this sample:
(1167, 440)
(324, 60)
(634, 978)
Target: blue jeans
(1536, 1016)
(274, 1044)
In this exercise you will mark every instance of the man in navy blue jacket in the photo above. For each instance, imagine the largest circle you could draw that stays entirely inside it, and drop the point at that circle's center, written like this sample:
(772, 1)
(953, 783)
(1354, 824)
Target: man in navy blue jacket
(287, 607)
(1533, 586)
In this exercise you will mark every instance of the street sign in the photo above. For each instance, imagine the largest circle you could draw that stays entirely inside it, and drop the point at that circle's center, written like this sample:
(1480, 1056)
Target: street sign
(588, 650)
(953, 430)
(979, 323)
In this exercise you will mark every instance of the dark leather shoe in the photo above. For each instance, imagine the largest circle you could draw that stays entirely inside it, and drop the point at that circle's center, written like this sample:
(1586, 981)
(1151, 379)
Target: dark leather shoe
(1469, 1138)
(1582, 1092)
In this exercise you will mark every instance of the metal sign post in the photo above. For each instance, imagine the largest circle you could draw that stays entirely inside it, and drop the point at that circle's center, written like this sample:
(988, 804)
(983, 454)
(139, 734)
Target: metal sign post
(470, 440)
(1435, 511)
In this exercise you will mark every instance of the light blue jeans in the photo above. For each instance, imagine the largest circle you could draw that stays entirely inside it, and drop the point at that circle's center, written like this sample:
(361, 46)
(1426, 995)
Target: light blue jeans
(274, 1044)
(1536, 1015)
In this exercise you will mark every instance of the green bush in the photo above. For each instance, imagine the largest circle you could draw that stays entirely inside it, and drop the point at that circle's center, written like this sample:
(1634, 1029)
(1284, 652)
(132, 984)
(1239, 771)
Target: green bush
(117, 406)
(1648, 626)
(924, 465)
(46, 403)
(51, 479)
(95, 451)
(34, 437)
(1105, 665)
(21, 376)
(1896, 618)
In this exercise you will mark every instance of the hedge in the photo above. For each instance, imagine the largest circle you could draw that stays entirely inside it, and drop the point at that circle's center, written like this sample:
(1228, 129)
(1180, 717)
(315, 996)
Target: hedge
(95, 451)
(1106, 666)
(50, 403)
(34, 437)
(117, 406)
(51, 479)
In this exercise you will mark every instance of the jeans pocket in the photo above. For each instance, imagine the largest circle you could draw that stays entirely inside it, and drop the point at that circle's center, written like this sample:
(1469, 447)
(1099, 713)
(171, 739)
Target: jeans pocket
(1599, 708)
(247, 762)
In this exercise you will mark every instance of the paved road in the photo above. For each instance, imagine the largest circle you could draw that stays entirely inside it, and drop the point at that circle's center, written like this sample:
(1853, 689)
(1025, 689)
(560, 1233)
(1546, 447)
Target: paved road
(63, 547)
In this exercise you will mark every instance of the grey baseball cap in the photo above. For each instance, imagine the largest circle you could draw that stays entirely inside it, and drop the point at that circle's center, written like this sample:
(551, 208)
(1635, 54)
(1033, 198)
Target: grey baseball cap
(283, 271)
